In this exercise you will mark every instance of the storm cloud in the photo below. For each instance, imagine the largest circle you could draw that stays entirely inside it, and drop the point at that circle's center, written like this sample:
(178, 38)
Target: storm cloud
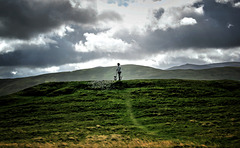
(217, 27)
(58, 52)
(23, 19)
(198, 32)
(158, 13)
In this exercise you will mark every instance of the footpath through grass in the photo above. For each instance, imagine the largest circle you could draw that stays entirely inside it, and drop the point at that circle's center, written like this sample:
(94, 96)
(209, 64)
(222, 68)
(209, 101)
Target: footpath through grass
(135, 113)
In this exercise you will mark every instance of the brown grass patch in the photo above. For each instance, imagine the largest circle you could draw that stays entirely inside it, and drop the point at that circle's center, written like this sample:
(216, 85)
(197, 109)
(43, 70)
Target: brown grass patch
(99, 141)
(106, 144)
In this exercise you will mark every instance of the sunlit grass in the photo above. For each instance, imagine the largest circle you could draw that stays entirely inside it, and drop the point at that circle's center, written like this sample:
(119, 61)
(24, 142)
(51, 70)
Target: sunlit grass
(136, 113)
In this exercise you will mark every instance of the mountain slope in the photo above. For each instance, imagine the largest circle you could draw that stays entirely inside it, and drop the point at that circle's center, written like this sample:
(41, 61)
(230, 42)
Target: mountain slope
(206, 66)
(8, 86)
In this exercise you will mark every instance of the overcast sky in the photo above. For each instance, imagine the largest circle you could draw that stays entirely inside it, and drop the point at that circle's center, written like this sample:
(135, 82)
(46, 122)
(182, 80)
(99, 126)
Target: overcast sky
(43, 36)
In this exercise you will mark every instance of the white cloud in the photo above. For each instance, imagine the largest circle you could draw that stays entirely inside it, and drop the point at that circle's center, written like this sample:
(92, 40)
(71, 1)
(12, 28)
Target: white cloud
(9, 45)
(83, 3)
(223, 1)
(133, 16)
(5, 47)
(102, 42)
(61, 31)
(136, 17)
(25, 72)
(188, 21)
(237, 5)
(105, 62)
(69, 29)
(199, 10)
(174, 3)
(14, 72)
(175, 17)
(230, 25)
(51, 69)
(168, 59)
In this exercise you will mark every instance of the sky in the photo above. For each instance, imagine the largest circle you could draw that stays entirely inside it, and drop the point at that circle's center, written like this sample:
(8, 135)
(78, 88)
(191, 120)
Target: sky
(48, 36)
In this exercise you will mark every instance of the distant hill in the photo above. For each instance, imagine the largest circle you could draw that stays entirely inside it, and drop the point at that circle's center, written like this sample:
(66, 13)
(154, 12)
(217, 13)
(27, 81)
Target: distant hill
(206, 66)
(8, 86)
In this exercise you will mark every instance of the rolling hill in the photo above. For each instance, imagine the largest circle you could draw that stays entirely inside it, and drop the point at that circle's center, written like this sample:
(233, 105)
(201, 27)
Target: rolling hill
(8, 86)
(129, 113)
(206, 66)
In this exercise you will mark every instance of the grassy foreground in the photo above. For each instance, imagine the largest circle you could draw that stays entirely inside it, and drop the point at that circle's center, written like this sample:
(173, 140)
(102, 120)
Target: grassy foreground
(134, 113)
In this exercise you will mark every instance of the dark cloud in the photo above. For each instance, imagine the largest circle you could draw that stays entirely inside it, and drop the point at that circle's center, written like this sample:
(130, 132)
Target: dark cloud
(78, 34)
(6, 72)
(218, 27)
(57, 53)
(53, 55)
(211, 30)
(110, 15)
(25, 18)
(158, 13)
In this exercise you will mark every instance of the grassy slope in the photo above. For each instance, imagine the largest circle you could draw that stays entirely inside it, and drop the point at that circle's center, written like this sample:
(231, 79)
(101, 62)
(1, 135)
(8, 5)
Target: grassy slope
(128, 113)
(129, 72)
(206, 66)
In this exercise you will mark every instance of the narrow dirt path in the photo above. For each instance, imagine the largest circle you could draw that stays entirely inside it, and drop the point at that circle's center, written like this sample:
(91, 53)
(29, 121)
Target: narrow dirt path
(131, 115)
(134, 120)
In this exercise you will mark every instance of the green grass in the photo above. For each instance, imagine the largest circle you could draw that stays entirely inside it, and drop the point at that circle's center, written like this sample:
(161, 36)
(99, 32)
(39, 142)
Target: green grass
(164, 113)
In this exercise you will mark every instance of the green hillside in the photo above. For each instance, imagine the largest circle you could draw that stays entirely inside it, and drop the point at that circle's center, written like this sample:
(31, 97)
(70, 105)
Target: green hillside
(8, 86)
(132, 113)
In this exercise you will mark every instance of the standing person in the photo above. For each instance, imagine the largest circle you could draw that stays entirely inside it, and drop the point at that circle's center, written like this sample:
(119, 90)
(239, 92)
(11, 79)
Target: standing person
(118, 70)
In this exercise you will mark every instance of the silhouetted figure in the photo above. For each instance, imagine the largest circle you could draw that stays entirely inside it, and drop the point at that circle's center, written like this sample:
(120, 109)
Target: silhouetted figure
(119, 71)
